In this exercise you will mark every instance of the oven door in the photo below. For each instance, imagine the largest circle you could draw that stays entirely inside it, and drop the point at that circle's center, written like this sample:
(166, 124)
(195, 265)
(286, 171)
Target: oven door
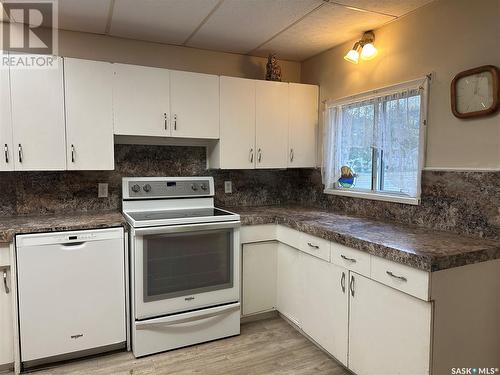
(185, 267)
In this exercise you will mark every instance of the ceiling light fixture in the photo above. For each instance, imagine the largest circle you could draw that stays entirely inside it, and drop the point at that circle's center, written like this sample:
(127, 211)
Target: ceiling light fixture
(368, 50)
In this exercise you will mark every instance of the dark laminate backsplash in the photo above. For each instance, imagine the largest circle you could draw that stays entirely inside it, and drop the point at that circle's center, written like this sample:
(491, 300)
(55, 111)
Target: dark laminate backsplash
(462, 202)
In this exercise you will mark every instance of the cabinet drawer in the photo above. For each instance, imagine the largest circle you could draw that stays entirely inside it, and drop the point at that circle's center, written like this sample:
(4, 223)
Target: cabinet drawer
(257, 233)
(315, 246)
(289, 236)
(4, 254)
(399, 276)
(351, 259)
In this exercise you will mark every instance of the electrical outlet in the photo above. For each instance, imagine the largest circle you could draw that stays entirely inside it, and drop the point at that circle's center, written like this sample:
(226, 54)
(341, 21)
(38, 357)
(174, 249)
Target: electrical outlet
(102, 190)
(228, 187)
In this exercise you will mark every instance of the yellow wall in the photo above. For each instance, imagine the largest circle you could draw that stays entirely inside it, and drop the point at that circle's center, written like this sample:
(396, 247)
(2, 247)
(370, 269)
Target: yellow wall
(444, 37)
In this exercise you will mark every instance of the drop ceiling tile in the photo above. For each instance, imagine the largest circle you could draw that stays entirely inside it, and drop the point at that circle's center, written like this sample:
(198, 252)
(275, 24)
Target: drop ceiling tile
(323, 29)
(392, 7)
(164, 21)
(89, 16)
(242, 25)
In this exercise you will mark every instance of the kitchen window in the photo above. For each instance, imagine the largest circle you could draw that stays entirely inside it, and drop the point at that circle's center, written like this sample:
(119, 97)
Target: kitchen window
(374, 143)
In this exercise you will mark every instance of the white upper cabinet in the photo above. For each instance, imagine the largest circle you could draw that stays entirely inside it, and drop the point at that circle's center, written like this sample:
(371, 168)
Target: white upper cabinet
(6, 160)
(389, 331)
(237, 123)
(303, 125)
(194, 105)
(37, 97)
(89, 115)
(141, 100)
(271, 124)
(326, 305)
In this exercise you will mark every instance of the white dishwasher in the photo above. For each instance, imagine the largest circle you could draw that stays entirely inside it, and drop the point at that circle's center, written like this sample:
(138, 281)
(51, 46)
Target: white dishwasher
(71, 290)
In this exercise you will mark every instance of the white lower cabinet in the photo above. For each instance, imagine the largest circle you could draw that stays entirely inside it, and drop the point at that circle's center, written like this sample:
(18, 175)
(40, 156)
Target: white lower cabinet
(389, 331)
(325, 313)
(6, 317)
(259, 277)
(290, 283)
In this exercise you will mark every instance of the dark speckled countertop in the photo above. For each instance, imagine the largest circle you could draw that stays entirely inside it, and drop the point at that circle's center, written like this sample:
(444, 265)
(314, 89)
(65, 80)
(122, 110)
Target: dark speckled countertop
(416, 247)
(13, 225)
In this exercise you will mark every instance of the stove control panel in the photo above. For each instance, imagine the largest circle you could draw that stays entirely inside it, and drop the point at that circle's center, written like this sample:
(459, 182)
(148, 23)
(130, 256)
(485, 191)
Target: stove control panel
(166, 187)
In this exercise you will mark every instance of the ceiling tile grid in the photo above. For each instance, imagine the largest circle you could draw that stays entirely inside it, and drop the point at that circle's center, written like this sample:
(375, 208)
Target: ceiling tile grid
(164, 21)
(240, 26)
(326, 27)
(293, 29)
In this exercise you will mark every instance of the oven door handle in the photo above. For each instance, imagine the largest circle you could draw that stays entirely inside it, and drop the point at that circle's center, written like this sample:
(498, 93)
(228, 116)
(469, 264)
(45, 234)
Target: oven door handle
(187, 317)
(186, 228)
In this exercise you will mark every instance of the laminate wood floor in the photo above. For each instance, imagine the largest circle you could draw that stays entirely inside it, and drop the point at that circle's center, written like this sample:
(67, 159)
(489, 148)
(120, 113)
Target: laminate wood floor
(264, 347)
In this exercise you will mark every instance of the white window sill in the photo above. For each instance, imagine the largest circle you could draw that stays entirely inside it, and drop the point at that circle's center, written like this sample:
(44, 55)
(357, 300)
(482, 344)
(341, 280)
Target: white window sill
(374, 196)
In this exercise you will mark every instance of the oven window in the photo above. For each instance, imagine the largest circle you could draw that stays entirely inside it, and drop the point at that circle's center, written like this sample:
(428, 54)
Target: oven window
(182, 264)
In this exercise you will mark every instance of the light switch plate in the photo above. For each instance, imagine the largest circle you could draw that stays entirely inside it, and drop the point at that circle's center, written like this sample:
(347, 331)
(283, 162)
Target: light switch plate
(228, 187)
(102, 190)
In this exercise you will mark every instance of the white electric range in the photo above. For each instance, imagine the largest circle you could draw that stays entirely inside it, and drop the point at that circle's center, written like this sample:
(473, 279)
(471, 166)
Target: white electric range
(185, 266)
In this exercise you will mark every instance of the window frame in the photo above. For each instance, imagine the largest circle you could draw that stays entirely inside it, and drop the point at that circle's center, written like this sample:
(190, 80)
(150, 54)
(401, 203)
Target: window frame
(372, 194)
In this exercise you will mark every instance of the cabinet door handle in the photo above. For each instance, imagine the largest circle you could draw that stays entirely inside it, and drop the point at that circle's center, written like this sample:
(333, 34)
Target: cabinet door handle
(291, 154)
(402, 278)
(72, 153)
(251, 155)
(313, 245)
(20, 152)
(342, 282)
(165, 120)
(7, 290)
(259, 155)
(6, 151)
(348, 259)
(175, 122)
(351, 286)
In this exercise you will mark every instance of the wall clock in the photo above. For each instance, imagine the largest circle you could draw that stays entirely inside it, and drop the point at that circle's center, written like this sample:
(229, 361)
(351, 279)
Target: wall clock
(475, 92)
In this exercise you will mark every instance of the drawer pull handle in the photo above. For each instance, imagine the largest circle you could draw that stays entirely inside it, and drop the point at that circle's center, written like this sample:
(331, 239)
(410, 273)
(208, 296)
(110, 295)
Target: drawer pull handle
(402, 278)
(342, 282)
(349, 259)
(7, 290)
(313, 245)
(351, 286)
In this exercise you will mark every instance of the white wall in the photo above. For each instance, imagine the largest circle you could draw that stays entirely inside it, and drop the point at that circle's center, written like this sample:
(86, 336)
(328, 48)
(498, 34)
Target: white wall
(106, 48)
(444, 37)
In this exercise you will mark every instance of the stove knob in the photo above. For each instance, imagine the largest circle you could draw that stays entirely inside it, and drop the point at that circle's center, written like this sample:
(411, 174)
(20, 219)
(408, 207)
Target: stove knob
(204, 187)
(136, 188)
(194, 187)
(147, 188)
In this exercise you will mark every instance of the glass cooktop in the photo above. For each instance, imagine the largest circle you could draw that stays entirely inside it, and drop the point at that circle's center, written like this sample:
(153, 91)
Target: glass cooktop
(178, 214)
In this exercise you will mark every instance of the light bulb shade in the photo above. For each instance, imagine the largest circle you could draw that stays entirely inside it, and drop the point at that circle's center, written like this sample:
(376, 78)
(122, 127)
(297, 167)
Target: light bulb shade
(352, 56)
(368, 52)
